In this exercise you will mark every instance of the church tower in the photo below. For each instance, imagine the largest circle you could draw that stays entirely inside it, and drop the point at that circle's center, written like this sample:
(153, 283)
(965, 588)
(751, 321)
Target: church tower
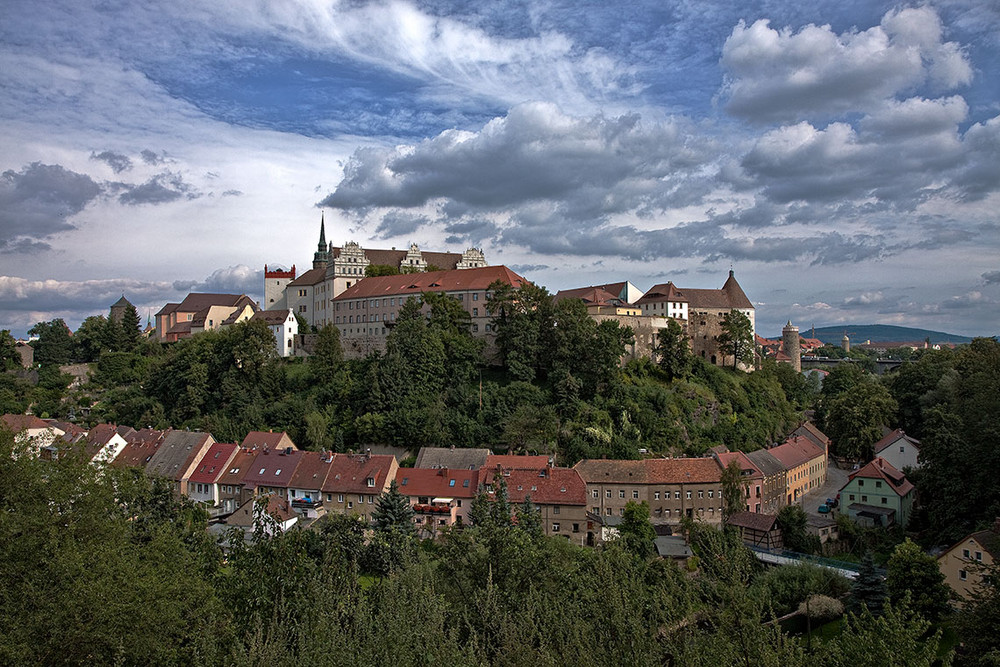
(322, 255)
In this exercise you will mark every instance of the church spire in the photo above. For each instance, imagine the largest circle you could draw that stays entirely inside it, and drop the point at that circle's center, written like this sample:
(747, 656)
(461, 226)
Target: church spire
(322, 255)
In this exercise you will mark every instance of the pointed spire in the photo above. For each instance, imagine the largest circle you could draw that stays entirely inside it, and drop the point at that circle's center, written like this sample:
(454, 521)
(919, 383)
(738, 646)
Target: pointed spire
(322, 232)
(322, 255)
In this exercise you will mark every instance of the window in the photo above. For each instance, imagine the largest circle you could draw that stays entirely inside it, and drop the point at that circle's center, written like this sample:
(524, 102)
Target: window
(607, 493)
(963, 575)
(979, 556)
(885, 501)
(656, 495)
(965, 553)
(465, 483)
(635, 495)
(451, 482)
(864, 499)
(621, 511)
(350, 505)
(475, 312)
(688, 495)
(701, 494)
(711, 494)
(878, 484)
(340, 497)
(861, 482)
(370, 481)
(361, 499)
(621, 493)
(596, 493)
(555, 509)
(576, 528)
(371, 500)
(851, 496)
(677, 495)
(555, 528)
(475, 296)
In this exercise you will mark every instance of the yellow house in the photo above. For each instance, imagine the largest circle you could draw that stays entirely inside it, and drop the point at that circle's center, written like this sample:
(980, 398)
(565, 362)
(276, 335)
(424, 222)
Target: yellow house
(963, 564)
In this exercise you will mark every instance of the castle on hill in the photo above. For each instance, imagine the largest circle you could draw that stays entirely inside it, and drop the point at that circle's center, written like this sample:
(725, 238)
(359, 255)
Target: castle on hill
(335, 269)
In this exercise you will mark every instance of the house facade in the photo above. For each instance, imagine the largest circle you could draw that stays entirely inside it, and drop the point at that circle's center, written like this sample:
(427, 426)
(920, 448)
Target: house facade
(283, 326)
(899, 449)
(355, 482)
(878, 494)
(963, 565)
(559, 494)
(440, 497)
(805, 466)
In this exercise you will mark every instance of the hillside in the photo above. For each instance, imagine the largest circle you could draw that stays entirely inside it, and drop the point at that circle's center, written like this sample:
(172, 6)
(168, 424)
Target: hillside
(880, 333)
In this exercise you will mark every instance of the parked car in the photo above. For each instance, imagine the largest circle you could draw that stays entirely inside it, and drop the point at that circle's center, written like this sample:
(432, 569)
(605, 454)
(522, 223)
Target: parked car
(831, 502)
(824, 509)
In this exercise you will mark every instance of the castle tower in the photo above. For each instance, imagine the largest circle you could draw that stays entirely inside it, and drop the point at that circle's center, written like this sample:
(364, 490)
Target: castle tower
(275, 281)
(118, 309)
(845, 343)
(790, 338)
(322, 255)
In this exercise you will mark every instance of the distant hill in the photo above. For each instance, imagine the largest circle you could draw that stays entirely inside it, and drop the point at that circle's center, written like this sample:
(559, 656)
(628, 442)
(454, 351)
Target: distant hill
(879, 333)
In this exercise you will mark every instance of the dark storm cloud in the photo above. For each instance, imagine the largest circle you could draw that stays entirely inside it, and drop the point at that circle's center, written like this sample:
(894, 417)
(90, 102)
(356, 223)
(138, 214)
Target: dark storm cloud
(38, 201)
(239, 279)
(399, 223)
(118, 162)
(150, 157)
(163, 188)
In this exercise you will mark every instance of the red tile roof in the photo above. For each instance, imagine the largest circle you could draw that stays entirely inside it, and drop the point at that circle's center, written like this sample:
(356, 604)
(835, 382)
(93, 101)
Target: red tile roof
(272, 468)
(215, 463)
(196, 302)
(730, 296)
(18, 423)
(438, 482)
(434, 281)
(744, 461)
(796, 451)
(268, 439)
(545, 486)
(754, 521)
(595, 471)
(683, 471)
(663, 292)
(310, 277)
(312, 471)
(271, 317)
(350, 473)
(893, 437)
(241, 464)
(882, 469)
(136, 454)
(590, 295)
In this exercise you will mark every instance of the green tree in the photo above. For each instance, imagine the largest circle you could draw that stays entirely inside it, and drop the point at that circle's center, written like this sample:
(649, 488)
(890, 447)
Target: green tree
(673, 351)
(328, 355)
(529, 519)
(733, 493)
(855, 419)
(979, 618)
(54, 345)
(636, 530)
(131, 327)
(897, 638)
(376, 270)
(793, 522)
(868, 591)
(393, 512)
(10, 358)
(736, 338)
(914, 573)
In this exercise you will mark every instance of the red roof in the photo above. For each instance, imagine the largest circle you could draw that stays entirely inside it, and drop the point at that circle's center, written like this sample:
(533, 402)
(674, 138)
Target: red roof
(893, 437)
(310, 277)
(682, 471)
(663, 292)
(516, 461)
(350, 473)
(438, 482)
(271, 317)
(745, 463)
(272, 468)
(136, 454)
(882, 469)
(267, 439)
(215, 463)
(730, 296)
(796, 451)
(434, 281)
(196, 302)
(312, 471)
(18, 423)
(241, 464)
(547, 486)
(754, 521)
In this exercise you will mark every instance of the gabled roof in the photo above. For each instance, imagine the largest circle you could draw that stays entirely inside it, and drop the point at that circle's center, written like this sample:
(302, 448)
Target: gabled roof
(272, 468)
(766, 463)
(309, 278)
(167, 309)
(516, 461)
(243, 461)
(312, 471)
(98, 438)
(196, 302)
(451, 457)
(137, 453)
(215, 463)
(434, 281)
(603, 295)
(596, 471)
(121, 303)
(746, 465)
(350, 473)
(176, 454)
(893, 438)
(438, 482)
(271, 317)
(268, 439)
(277, 507)
(683, 471)
(883, 470)
(795, 451)
(545, 486)
(730, 296)
(810, 430)
(754, 521)
(663, 292)
(18, 423)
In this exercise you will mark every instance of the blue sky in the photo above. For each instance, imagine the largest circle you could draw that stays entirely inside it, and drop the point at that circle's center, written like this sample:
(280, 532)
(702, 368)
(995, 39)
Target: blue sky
(842, 157)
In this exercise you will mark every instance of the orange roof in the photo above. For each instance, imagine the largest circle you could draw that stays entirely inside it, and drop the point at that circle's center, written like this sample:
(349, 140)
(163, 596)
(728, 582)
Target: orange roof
(434, 281)
(18, 423)
(882, 469)
(241, 464)
(268, 439)
(438, 482)
(349, 473)
(663, 292)
(796, 451)
(545, 486)
(312, 471)
(683, 471)
(744, 461)
(730, 296)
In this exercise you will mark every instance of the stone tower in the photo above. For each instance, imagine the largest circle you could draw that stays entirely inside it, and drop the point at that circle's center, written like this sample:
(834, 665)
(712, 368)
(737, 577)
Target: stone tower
(118, 309)
(322, 255)
(790, 338)
(845, 343)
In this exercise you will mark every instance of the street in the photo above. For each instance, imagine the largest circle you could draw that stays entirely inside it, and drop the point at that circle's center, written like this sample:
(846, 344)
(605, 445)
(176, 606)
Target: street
(835, 479)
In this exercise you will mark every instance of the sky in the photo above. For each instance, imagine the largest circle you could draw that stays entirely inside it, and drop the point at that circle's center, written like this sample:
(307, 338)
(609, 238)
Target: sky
(843, 158)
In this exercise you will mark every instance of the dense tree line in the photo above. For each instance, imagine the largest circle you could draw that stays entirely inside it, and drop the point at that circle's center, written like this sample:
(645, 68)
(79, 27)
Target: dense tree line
(554, 383)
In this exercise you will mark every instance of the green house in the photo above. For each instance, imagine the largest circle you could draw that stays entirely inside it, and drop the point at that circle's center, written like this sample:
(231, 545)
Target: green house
(878, 495)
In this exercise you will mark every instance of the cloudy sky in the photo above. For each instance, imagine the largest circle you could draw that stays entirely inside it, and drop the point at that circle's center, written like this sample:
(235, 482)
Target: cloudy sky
(842, 157)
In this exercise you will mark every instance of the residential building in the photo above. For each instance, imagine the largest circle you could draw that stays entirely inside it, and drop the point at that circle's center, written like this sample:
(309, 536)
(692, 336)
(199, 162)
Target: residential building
(559, 494)
(899, 449)
(177, 457)
(202, 312)
(440, 497)
(203, 486)
(757, 530)
(355, 482)
(809, 430)
(751, 476)
(774, 483)
(267, 440)
(283, 326)
(805, 466)
(271, 472)
(278, 511)
(103, 444)
(366, 312)
(305, 488)
(231, 484)
(139, 450)
(612, 484)
(878, 494)
(965, 563)
(30, 432)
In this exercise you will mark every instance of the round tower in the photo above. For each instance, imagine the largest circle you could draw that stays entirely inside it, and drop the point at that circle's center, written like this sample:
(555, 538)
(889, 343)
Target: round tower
(790, 339)
(845, 343)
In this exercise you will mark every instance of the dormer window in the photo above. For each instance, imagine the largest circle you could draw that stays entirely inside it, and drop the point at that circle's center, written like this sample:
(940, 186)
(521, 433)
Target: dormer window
(370, 481)
(277, 472)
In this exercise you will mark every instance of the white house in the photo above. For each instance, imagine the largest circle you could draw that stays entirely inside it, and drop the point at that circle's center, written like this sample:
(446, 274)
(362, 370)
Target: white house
(283, 326)
(899, 449)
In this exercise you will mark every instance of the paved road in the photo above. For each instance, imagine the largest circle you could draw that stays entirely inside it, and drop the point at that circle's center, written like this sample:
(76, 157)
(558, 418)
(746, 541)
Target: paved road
(835, 478)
